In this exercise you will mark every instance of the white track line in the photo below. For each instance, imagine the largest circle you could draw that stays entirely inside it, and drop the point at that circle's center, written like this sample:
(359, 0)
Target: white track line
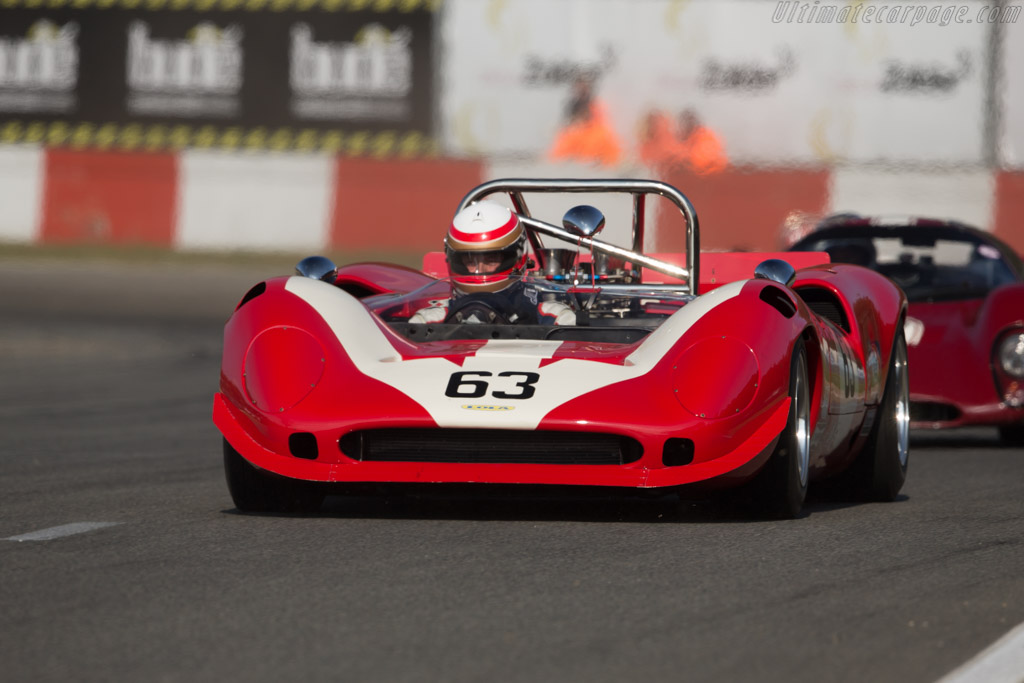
(58, 531)
(1001, 662)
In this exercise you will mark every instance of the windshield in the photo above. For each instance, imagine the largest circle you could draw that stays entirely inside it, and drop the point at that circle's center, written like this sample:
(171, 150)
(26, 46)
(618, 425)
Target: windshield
(936, 269)
(608, 305)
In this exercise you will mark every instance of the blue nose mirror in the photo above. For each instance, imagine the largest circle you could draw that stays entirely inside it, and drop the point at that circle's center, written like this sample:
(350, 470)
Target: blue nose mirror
(775, 270)
(318, 268)
(583, 220)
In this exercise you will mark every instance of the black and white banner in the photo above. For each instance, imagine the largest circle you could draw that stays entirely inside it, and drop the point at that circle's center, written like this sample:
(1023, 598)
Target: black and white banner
(304, 73)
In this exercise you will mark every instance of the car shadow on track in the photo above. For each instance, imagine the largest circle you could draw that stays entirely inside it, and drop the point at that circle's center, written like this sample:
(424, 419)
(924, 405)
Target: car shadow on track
(963, 437)
(545, 506)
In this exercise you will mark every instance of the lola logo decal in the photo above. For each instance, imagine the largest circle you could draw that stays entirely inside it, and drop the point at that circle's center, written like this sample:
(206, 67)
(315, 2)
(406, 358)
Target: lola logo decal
(494, 409)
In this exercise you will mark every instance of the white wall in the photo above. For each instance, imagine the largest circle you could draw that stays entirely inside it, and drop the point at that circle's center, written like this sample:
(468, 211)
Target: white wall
(266, 201)
(1012, 138)
(21, 192)
(814, 91)
(967, 196)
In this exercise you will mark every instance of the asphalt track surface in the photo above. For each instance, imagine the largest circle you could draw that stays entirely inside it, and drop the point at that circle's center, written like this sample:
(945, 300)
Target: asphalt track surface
(107, 373)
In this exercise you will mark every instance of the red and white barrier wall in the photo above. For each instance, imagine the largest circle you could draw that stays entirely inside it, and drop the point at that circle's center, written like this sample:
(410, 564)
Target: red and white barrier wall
(261, 201)
(200, 200)
(843, 102)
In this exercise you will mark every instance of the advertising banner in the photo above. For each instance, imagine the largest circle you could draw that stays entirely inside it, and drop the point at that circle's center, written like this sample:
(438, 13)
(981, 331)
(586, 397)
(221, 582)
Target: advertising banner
(352, 77)
(780, 82)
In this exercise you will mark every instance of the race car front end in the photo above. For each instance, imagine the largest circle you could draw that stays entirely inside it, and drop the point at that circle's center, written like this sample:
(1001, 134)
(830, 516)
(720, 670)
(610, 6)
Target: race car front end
(315, 387)
(967, 369)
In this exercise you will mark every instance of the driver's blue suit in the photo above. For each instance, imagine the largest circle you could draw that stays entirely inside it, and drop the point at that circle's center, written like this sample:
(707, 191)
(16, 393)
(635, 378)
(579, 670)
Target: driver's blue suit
(519, 303)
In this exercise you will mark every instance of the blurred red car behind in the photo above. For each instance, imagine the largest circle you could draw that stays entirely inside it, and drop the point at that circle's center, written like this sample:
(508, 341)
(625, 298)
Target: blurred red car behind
(965, 325)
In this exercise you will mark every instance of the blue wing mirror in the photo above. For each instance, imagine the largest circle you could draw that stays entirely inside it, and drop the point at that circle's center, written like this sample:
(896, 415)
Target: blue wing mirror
(318, 268)
(583, 220)
(776, 270)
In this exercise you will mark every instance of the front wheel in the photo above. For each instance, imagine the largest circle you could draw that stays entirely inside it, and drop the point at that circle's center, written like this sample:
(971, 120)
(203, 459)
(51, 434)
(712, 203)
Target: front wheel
(880, 469)
(891, 434)
(782, 484)
(255, 490)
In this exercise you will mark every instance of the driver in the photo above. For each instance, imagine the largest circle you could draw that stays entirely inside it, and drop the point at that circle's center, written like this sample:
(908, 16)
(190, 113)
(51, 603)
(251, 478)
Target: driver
(485, 249)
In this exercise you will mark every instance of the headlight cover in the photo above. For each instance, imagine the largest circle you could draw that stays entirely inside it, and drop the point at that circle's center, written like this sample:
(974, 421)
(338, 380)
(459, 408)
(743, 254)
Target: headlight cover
(1010, 355)
(716, 377)
(282, 365)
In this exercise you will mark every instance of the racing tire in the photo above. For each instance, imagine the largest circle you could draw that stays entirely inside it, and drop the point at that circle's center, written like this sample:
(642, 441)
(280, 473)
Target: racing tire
(781, 486)
(880, 469)
(1012, 435)
(255, 490)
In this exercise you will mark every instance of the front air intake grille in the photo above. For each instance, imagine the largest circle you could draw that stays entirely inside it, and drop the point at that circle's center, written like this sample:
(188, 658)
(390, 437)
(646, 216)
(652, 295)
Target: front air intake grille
(779, 300)
(825, 304)
(490, 446)
(252, 294)
(922, 411)
(677, 452)
(303, 445)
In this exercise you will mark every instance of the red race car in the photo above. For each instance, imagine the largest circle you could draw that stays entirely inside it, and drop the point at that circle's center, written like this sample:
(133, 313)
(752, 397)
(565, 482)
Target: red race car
(610, 367)
(965, 326)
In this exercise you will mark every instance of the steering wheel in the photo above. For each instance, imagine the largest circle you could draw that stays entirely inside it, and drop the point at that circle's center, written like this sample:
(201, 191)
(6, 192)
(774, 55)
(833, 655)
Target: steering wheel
(476, 311)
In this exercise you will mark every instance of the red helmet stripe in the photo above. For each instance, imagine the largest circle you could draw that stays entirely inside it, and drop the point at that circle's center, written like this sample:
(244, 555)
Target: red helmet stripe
(478, 239)
(481, 279)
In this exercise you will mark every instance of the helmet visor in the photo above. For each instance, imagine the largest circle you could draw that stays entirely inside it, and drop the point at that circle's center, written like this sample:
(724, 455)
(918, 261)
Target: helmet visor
(489, 262)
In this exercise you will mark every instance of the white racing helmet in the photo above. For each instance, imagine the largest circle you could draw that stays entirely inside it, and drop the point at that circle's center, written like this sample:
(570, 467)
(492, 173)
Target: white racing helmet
(485, 248)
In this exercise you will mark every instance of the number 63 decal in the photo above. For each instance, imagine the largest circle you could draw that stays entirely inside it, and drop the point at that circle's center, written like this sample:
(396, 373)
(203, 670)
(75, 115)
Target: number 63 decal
(459, 386)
